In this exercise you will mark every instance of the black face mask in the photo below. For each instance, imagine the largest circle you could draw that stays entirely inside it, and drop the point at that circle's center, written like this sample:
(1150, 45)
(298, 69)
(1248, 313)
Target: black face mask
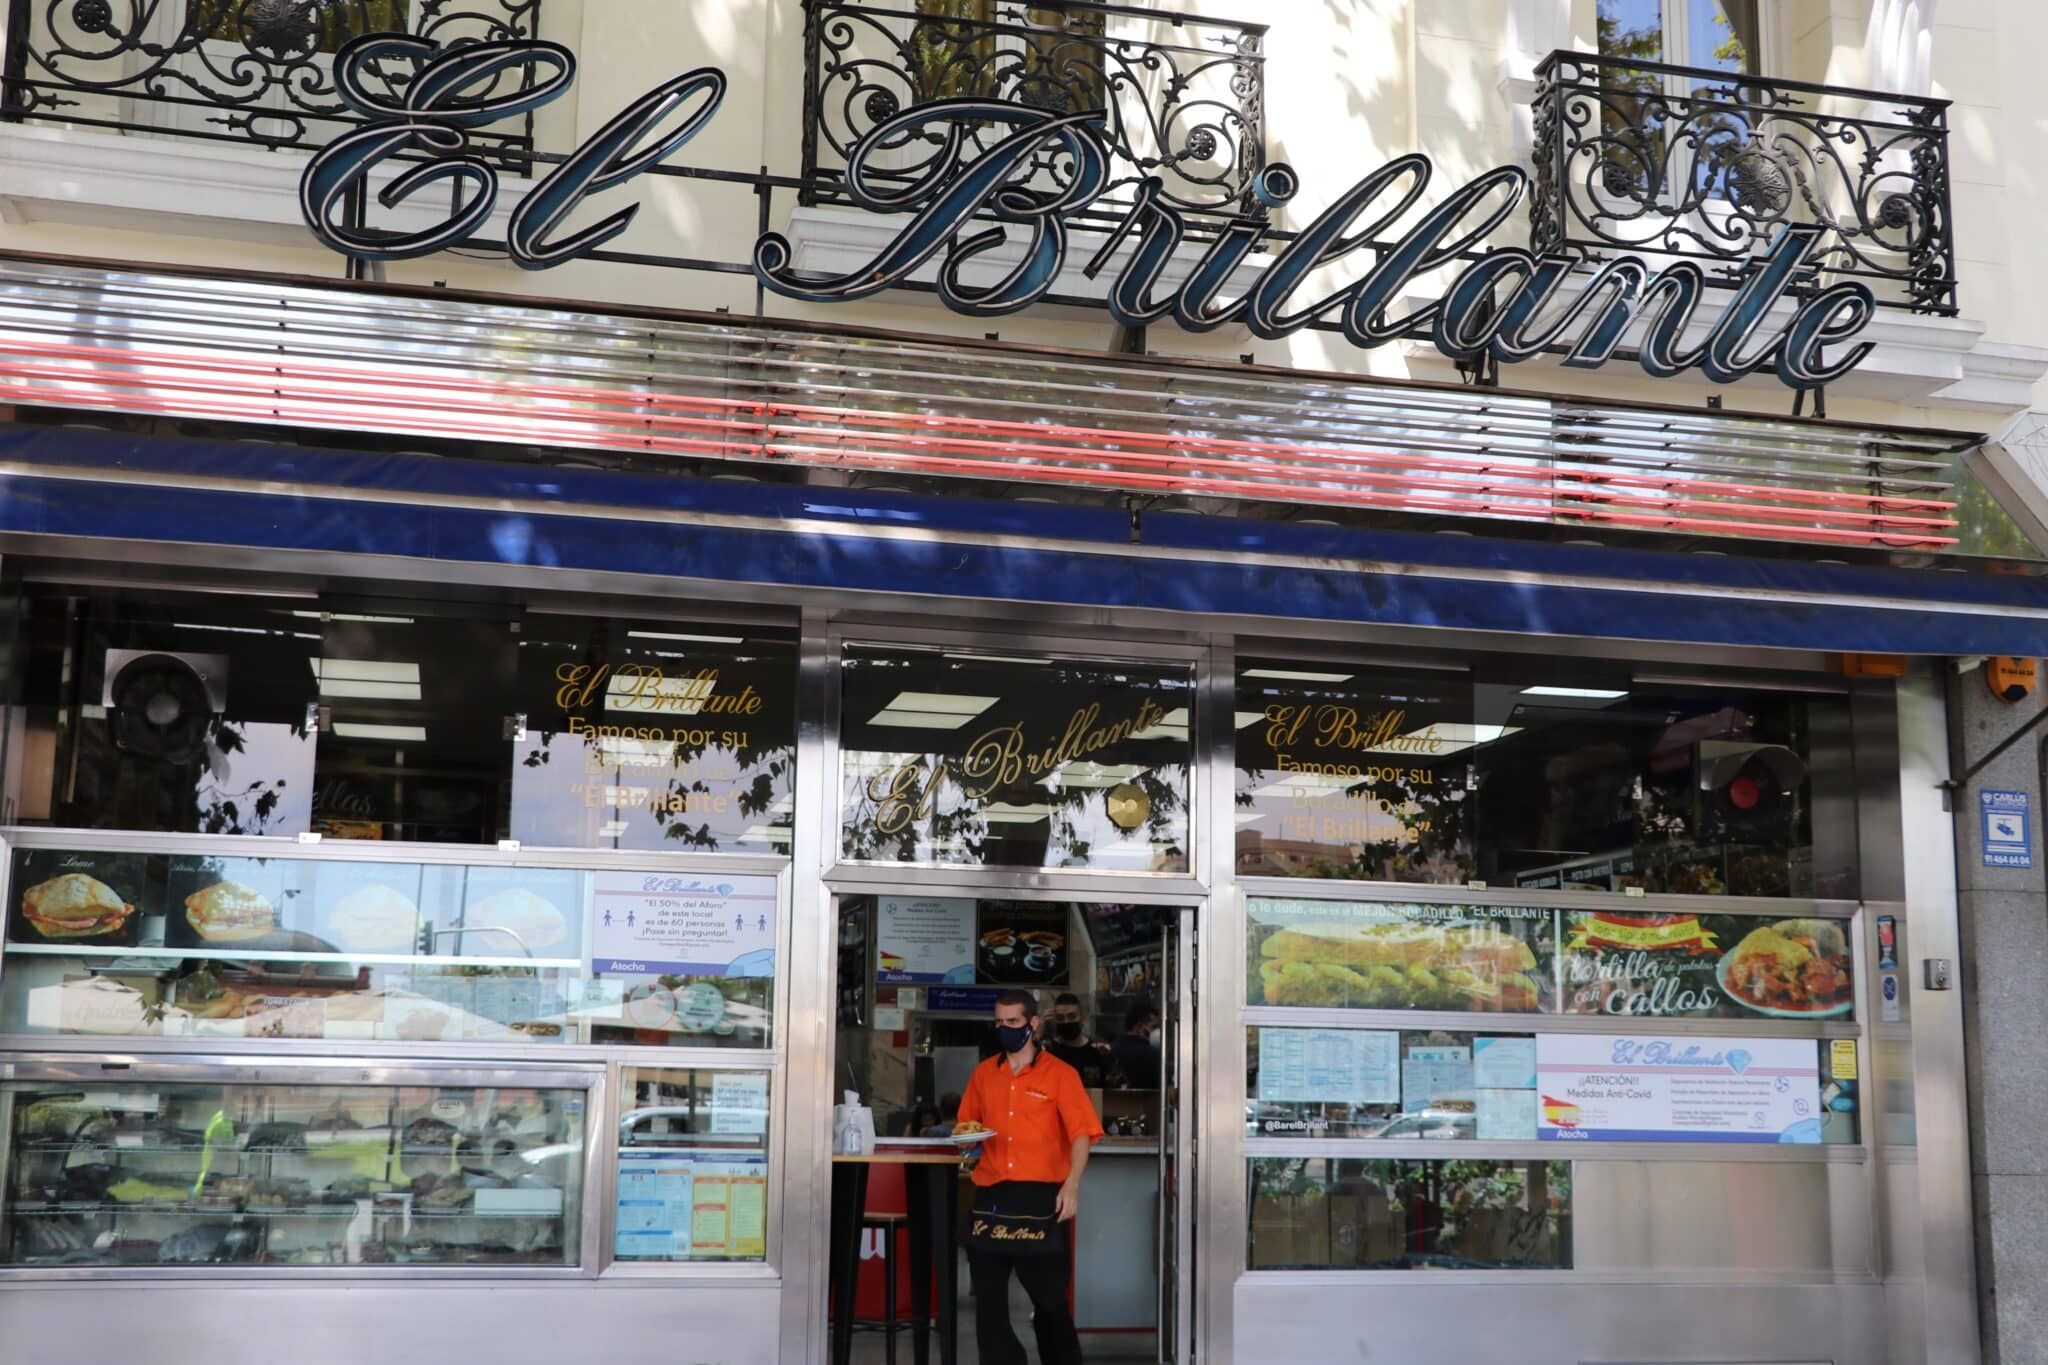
(1067, 1032)
(1012, 1039)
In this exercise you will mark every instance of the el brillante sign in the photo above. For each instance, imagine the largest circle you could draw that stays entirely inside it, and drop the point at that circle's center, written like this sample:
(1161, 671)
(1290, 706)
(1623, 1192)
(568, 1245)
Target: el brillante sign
(1505, 303)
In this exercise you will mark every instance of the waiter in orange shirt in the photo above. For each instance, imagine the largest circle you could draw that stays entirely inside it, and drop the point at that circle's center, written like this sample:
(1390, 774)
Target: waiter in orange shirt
(1027, 1185)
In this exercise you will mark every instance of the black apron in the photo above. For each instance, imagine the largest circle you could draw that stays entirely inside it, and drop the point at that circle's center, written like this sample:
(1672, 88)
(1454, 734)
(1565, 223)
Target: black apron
(1016, 1218)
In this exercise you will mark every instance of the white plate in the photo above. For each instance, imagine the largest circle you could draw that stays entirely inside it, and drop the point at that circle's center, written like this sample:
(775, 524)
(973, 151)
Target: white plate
(1772, 1011)
(970, 1139)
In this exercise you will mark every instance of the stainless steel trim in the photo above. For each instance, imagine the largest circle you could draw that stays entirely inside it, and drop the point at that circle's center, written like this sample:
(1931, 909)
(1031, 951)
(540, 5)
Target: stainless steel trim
(1424, 1149)
(378, 851)
(1396, 893)
(1145, 888)
(202, 1066)
(1417, 1021)
(489, 1054)
(1479, 1278)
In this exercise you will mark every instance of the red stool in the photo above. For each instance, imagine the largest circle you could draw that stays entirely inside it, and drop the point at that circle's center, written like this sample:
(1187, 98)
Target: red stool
(887, 1210)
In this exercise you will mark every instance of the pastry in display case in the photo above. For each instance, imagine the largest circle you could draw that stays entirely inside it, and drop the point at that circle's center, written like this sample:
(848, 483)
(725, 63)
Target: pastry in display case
(175, 1173)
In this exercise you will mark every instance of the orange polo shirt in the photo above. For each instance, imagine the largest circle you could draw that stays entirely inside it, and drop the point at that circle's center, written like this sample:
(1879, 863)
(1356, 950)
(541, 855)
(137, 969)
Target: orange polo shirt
(1036, 1113)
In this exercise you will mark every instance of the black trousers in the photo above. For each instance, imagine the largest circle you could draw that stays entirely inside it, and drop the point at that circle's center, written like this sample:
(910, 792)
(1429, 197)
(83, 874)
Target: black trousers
(1045, 1281)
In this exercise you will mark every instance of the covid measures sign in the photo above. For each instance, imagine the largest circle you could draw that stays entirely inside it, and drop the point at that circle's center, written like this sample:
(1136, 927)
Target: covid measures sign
(1627, 1088)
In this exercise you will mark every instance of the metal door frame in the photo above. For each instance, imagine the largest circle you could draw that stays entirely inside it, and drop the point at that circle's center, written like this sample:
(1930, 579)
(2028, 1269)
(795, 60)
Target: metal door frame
(821, 877)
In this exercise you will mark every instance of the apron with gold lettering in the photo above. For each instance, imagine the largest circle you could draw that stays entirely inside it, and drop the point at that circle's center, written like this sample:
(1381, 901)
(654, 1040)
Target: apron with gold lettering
(1016, 1218)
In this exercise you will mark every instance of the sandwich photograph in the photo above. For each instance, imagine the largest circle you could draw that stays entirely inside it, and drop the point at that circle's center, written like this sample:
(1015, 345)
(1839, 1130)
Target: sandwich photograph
(1406, 957)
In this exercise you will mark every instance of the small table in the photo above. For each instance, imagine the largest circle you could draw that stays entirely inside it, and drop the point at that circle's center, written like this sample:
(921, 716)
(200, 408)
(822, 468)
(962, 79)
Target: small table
(932, 1191)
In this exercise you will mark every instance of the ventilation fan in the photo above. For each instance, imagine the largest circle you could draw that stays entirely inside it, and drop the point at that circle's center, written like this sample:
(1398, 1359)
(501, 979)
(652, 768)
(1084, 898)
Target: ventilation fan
(1749, 782)
(162, 705)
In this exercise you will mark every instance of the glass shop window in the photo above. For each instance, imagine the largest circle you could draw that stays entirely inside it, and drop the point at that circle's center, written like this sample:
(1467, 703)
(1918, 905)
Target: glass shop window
(416, 724)
(1610, 783)
(1353, 773)
(209, 946)
(654, 736)
(1323, 1213)
(1013, 762)
(151, 1173)
(1541, 780)
(189, 714)
(400, 721)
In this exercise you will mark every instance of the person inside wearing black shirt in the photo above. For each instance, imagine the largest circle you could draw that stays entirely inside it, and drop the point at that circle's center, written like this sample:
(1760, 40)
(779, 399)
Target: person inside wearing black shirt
(1136, 1050)
(1067, 1039)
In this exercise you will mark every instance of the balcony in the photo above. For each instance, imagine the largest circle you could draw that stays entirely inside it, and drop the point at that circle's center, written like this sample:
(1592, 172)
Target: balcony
(1674, 163)
(205, 110)
(1183, 97)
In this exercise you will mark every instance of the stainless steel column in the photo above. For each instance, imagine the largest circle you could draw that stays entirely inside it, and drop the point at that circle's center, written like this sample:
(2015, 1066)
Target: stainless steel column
(1940, 1098)
(1222, 1213)
(809, 985)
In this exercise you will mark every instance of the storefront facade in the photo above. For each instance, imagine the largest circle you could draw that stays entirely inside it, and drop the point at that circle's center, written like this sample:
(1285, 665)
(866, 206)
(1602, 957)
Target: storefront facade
(471, 761)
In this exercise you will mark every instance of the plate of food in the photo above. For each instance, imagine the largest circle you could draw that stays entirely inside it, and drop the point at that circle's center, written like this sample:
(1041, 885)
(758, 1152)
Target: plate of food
(968, 1133)
(1792, 969)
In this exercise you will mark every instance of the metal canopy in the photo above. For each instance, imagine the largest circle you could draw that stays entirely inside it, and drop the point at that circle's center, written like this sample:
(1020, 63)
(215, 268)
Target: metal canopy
(702, 390)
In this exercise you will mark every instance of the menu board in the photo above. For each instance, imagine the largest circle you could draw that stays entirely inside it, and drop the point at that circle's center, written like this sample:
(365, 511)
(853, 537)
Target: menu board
(924, 939)
(1329, 1066)
(1434, 1077)
(1623, 1088)
(1369, 955)
(691, 1206)
(1704, 966)
(739, 1102)
(1504, 1080)
(645, 923)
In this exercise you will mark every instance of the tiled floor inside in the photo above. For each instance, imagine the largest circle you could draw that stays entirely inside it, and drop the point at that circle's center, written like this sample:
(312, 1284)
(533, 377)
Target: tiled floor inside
(1106, 1348)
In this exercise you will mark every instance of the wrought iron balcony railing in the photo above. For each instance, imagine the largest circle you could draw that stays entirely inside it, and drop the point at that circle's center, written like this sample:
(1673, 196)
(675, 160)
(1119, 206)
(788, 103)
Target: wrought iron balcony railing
(1183, 97)
(1706, 166)
(238, 71)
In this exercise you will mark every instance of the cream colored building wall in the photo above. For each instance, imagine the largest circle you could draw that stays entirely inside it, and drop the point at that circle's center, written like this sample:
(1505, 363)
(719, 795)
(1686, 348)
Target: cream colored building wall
(1349, 84)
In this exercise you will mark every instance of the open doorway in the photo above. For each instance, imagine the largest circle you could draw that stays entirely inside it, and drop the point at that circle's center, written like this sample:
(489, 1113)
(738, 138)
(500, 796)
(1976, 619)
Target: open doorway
(918, 980)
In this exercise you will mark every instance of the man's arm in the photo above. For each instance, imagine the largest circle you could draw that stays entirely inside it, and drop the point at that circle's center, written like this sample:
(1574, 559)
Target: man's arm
(1068, 1202)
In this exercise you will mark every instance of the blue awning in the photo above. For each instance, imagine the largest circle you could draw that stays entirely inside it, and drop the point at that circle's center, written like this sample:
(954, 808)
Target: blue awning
(67, 488)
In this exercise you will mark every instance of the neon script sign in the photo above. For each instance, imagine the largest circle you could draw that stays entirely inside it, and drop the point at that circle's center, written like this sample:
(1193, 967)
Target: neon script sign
(963, 208)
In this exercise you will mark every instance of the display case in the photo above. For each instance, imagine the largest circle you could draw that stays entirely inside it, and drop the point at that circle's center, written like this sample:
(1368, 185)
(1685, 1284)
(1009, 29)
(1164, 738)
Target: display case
(178, 937)
(215, 1163)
